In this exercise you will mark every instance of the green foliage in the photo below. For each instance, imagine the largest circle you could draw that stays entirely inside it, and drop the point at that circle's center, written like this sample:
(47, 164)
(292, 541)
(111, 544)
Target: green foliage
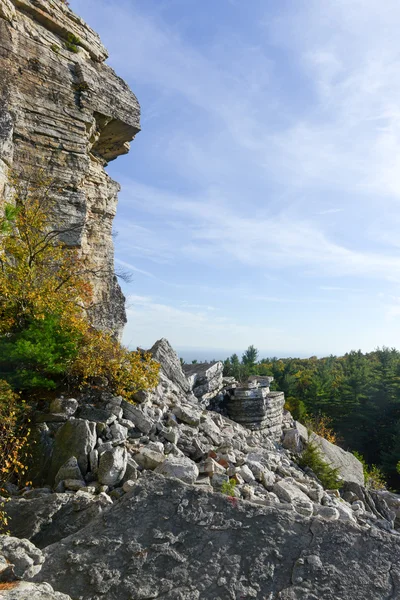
(39, 355)
(297, 408)
(10, 214)
(241, 370)
(228, 487)
(72, 42)
(311, 457)
(249, 357)
(373, 475)
(45, 335)
(359, 393)
(55, 48)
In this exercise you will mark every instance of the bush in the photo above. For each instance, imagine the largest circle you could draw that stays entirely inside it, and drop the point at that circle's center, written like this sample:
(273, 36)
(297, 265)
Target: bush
(321, 425)
(13, 438)
(311, 457)
(100, 357)
(228, 487)
(40, 355)
(72, 42)
(374, 477)
(297, 408)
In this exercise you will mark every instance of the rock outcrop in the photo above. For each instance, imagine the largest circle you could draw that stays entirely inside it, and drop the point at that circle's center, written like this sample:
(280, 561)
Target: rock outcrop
(205, 379)
(142, 483)
(62, 109)
(21, 559)
(169, 540)
(350, 468)
(256, 407)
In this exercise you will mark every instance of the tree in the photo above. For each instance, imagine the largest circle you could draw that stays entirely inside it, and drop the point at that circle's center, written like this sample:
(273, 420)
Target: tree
(249, 357)
(39, 275)
(46, 338)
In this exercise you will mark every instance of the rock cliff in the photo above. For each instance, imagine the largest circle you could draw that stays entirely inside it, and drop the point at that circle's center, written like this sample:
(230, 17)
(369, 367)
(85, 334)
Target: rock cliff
(64, 110)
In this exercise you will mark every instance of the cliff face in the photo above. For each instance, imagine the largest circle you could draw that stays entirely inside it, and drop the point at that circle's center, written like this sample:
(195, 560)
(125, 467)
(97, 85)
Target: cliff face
(69, 113)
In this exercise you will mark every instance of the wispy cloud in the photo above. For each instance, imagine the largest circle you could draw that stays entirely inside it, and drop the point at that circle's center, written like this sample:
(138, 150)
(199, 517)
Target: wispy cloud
(268, 165)
(330, 211)
(185, 327)
(212, 227)
(131, 267)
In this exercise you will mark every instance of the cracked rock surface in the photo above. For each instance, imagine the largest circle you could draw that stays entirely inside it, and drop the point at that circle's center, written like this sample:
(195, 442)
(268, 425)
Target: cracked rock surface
(169, 540)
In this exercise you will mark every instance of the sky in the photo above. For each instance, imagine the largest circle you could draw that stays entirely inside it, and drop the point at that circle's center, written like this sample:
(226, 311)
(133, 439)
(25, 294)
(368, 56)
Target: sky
(260, 203)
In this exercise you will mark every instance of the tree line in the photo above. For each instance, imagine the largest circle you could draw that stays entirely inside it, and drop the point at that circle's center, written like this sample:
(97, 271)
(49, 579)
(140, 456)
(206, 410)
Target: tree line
(359, 393)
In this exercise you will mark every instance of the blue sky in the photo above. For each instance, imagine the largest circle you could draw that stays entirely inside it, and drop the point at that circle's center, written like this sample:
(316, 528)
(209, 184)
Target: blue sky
(260, 202)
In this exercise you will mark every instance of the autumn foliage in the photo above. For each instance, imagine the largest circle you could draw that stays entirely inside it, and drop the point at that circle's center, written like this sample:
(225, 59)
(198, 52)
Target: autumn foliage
(46, 339)
(14, 432)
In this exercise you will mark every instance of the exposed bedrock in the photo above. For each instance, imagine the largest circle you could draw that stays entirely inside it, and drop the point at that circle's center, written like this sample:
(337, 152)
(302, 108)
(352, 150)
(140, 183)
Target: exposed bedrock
(169, 540)
(69, 113)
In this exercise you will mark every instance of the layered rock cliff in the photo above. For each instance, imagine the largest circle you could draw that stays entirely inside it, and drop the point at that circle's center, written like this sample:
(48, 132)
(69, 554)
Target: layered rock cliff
(62, 109)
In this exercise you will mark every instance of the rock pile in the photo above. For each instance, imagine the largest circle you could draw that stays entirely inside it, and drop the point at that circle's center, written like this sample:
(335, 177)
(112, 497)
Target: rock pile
(108, 458)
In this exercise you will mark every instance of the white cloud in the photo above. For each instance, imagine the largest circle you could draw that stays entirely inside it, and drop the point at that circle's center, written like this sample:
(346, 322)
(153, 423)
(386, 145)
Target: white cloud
(149, 320)
(212, 228)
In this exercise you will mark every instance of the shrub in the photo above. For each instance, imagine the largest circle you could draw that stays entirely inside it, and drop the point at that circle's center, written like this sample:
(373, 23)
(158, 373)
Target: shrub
(125, 372)
(13, 438)
(297, 408)
(374, 477)
(228, 487)
(40, 355)
(311, 457)
(72, 42)
(321, 425)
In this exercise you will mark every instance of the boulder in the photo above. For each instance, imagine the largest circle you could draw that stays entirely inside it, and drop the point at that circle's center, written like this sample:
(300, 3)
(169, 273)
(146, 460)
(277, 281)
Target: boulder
(67, 406)
(112, 466)
(76, 437)
(74, 484)
(188, 414)
(182, 468)
(23, 590)
(288, 491)
(350, 468)
(96, 414)
(205, 380)
(302, 430)
(291, 441)
(51, 518)
(153, 540)
(211, 430)
(148, 458)
(170, 365)
(119, 433)
(69, 470)
(136, 415)
(23, 558)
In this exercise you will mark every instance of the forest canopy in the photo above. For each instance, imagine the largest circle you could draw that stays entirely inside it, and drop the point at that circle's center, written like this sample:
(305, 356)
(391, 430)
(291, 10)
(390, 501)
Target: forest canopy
(359, 393)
